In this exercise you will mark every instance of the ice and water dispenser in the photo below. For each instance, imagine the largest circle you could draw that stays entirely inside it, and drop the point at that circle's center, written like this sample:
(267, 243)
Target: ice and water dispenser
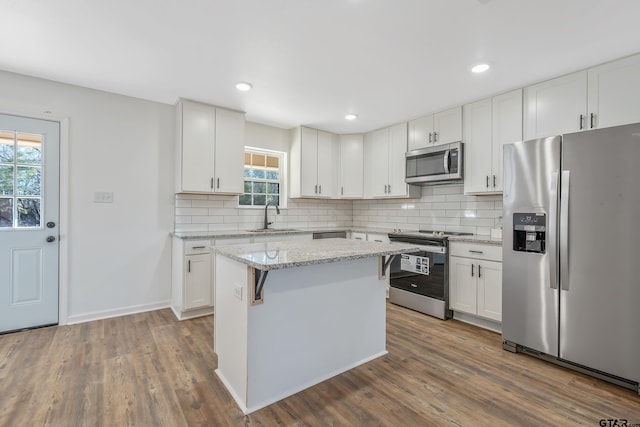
(529, 232)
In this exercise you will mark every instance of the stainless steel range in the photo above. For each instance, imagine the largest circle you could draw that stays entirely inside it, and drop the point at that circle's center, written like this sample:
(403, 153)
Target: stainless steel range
(420, 280)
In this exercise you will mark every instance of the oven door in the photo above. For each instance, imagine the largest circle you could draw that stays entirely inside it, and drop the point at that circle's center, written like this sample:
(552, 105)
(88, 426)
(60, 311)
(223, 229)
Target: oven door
(421, 272)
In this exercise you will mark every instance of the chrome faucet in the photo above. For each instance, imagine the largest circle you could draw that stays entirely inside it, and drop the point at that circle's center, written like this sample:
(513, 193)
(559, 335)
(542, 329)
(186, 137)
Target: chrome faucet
(266, 222)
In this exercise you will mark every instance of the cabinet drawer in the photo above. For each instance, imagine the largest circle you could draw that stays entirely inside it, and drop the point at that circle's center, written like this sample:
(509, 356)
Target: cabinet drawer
(193, 247)
(476, 250)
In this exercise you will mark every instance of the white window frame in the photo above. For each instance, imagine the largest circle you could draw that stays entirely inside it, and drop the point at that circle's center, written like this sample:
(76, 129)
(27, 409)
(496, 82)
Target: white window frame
(283, 176)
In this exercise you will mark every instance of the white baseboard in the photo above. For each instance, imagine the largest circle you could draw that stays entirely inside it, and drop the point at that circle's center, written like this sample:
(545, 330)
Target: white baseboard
(191, 314)
(492, 325)
(123, 311)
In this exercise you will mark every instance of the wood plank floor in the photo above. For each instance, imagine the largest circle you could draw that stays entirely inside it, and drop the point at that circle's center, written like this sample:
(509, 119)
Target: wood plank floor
(151, 370)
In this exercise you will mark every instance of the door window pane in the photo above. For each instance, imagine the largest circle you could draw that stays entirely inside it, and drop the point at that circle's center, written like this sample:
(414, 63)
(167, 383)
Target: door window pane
(6, 147)
(6, 180)
(28, 181)
(29, 150)
(6, 213)
(28, 212)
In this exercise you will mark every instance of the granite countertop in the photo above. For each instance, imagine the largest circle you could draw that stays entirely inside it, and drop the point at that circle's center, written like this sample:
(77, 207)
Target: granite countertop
(279, 255)
(193, 235)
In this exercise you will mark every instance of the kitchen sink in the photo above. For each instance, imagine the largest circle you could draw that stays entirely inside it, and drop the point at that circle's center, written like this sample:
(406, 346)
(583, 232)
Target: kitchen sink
(272, 230)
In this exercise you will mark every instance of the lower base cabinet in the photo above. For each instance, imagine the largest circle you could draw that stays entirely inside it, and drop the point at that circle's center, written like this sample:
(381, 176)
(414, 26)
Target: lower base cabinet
(475, 280)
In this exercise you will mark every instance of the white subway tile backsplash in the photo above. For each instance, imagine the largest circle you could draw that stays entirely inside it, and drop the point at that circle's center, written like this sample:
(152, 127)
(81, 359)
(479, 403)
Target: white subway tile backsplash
(441, 207)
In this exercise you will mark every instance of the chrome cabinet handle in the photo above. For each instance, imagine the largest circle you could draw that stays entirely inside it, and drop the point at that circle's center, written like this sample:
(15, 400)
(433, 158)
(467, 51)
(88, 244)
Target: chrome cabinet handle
(435, 137)
(211, 182)
(476, 252)
(494, 181)
(315, 190)
(389, 186)
(581, 122)
(319, 189)
(487, 181)
(471, 270)
(189, 266)
(342, 191)
(593, 116)
(430, 138)
(218, 183)
(479, 275)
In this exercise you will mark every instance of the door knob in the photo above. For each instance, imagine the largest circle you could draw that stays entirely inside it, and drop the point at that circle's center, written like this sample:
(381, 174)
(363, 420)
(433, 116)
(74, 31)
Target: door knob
(51, 239)
(51, 224)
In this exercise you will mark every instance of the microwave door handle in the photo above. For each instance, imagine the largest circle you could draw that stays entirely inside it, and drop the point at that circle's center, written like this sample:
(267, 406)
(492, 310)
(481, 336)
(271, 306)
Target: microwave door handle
(446, 160)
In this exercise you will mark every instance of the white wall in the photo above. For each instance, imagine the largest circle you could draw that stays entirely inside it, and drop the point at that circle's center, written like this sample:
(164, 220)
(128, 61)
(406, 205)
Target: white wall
(119, 254)
(267, 137)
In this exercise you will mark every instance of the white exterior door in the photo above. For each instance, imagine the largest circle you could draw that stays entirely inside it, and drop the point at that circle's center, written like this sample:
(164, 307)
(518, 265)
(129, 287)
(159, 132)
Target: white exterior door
(29, 214)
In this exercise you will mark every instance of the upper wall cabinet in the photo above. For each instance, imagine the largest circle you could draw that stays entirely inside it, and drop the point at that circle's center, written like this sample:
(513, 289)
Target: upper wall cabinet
(314, 163)
(556, 106)
(614, 93)
(603, 96)
(440, 128)
(351, 166)
(488, 125)
(385, 165)
(210, 149)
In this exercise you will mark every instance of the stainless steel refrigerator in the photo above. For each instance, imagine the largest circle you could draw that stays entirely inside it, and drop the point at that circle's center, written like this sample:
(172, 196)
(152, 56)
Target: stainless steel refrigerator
(571, 251)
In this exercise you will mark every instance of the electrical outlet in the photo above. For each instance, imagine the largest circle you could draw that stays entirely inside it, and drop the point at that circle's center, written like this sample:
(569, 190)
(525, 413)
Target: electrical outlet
(103, 197)
(237, 292)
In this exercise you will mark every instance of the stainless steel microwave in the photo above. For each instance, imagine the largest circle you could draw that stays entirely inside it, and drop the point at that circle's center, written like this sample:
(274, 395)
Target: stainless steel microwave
(435, 165)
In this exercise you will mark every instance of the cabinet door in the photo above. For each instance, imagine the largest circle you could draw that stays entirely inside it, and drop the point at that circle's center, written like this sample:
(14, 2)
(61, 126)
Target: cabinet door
(197, 282)
(477, 156)
(351, 165)
(447, 126)
(490, 290)
(507, 128)
(198, 142)
(229, 152)
(376, 152)
(421, 133)
(380, 238)
(327, 163)
(556, 106)
(614, 93)
(463, 284)
(309, 162)
(397, 160)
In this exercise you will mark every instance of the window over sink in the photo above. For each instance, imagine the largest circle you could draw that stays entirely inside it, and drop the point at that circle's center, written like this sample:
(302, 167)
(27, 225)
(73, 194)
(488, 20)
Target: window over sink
(264, 178)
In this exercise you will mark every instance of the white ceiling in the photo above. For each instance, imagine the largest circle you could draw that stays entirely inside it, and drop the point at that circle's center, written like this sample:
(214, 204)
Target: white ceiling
(313, 61)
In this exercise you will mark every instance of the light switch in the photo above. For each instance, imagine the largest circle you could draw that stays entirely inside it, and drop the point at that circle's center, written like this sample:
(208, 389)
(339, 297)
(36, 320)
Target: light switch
(103, 197)
(237, 292)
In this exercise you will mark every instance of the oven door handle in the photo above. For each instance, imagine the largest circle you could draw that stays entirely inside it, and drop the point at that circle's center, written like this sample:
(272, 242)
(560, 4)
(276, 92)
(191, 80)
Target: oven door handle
(432, 249)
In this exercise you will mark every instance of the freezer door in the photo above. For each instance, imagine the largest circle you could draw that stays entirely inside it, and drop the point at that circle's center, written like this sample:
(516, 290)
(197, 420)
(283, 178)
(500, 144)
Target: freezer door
(600, 257)
(530, 295)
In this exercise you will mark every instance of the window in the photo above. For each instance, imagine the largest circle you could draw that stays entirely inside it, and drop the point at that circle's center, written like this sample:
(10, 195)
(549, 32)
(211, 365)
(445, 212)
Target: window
(20, 172)
(263, 177)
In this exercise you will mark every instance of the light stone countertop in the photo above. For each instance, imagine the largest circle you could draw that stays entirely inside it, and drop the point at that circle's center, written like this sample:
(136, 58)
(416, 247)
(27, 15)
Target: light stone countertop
(279, 255)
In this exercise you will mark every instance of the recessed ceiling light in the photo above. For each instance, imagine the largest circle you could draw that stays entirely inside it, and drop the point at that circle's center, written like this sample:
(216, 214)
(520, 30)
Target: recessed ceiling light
(243, 86)
(480, 68)
(351, 117)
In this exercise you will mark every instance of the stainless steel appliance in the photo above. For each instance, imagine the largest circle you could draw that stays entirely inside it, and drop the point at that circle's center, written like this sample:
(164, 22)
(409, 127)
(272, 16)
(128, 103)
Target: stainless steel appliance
(435, 165)
(420, 280)
(330, 235)
(571, 247)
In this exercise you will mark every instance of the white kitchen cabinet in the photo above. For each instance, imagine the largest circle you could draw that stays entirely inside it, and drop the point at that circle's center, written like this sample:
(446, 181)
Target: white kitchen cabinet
(358, 236)
(210, 149)
(378, 237)
(385, 165)
(556, 106)
(441, 128)
(192, 278)
(351, 184)
(314, 163)
(282, 237)
(488, 125)
(475, 280)
(614, 93)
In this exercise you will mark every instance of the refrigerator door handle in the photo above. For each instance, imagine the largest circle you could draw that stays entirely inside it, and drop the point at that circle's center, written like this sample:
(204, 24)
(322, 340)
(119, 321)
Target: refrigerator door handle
(553, 231)
(564, 231)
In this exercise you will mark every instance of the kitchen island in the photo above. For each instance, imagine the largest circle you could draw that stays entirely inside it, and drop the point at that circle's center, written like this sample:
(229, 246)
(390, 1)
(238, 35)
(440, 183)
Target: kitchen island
(293, 314)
